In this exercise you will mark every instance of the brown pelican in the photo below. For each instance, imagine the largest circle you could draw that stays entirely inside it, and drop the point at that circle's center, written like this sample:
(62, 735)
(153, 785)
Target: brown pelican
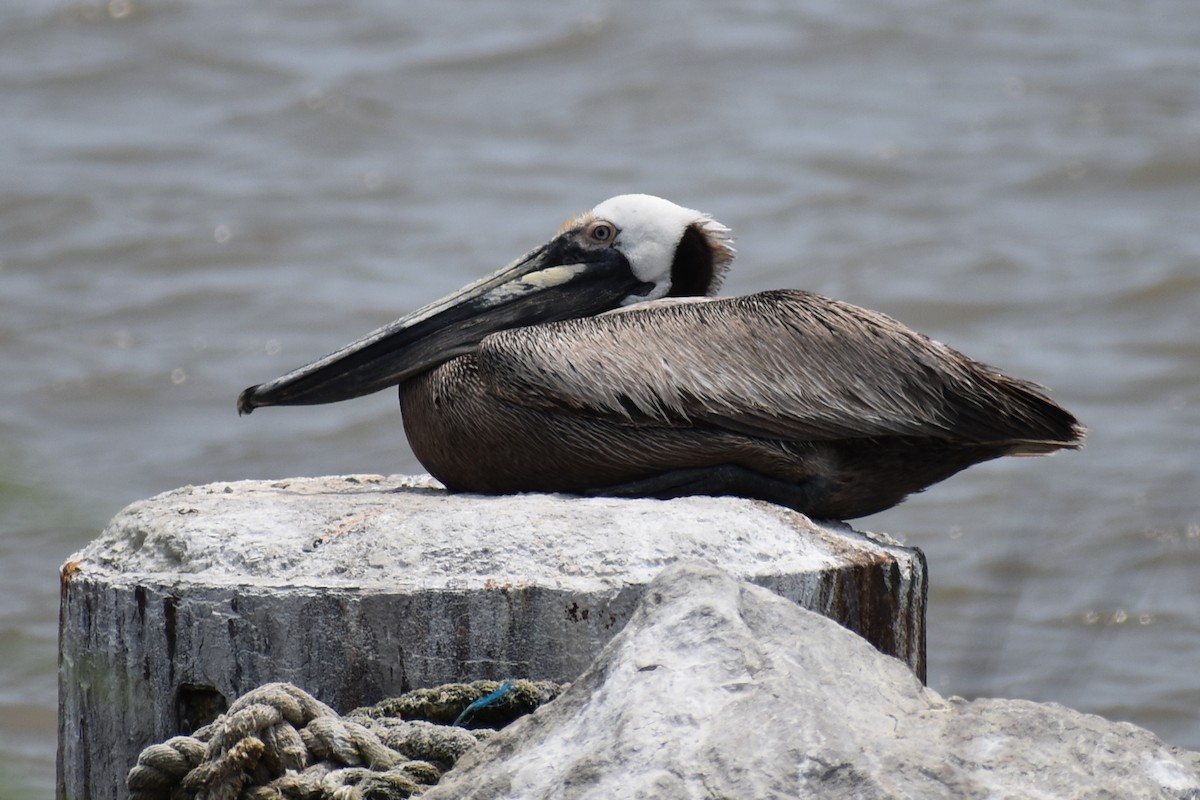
(599, 364)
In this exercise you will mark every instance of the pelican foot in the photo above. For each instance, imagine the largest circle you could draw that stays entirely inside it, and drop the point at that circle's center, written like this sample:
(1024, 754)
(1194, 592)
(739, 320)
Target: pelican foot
(727, 480)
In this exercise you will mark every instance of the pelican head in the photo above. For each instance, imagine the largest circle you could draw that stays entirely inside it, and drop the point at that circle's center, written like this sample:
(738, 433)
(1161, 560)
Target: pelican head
(629, 249)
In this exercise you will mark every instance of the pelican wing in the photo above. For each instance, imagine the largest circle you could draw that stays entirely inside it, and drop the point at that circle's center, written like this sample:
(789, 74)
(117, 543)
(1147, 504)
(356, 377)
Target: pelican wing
(784, 365)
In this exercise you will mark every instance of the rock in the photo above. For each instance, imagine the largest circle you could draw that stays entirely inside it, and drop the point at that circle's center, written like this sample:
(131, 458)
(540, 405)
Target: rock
(361, 588)
(718, 688)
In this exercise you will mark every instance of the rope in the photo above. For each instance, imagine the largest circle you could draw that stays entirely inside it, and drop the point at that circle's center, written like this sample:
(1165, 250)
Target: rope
(278, 742)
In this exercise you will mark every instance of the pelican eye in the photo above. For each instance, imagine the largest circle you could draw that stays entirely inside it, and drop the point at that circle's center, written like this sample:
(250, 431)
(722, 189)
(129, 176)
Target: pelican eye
(601, 232)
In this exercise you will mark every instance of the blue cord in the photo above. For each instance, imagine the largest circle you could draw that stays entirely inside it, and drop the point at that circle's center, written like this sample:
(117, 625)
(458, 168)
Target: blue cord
(505, 689)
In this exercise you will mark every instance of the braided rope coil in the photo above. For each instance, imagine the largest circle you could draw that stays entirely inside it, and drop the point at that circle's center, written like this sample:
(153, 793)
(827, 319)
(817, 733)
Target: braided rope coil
(278, 742)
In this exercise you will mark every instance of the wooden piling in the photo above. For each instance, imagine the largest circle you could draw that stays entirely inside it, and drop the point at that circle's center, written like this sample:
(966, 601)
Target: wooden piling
(357, 588)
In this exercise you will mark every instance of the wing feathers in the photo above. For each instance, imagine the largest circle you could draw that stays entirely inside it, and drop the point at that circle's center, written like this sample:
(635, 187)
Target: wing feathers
(783, 365)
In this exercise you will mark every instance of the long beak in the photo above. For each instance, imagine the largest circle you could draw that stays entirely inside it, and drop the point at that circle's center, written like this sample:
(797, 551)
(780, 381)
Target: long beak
(553, 282)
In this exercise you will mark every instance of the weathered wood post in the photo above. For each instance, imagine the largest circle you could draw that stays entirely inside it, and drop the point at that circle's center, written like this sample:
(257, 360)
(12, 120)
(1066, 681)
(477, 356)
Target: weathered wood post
(361, 588)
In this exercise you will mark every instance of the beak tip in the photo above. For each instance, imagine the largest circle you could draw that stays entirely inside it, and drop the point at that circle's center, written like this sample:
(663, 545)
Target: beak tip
(245, 401)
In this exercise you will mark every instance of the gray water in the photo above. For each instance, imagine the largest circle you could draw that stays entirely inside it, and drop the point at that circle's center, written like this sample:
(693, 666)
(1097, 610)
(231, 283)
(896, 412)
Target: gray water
(196, 196)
